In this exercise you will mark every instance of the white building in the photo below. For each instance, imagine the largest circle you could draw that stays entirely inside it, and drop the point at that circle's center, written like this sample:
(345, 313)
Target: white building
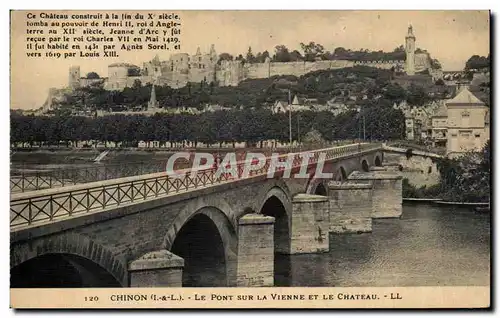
(468, 123)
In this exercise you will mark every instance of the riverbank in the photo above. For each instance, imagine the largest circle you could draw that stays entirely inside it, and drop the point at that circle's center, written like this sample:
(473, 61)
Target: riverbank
(421, 199)
(69, 150)
(480, 207)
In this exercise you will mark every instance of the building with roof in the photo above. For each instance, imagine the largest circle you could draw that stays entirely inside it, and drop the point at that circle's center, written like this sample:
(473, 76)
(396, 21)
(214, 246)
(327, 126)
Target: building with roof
(439, 120)
(279, 106)
(468, 123)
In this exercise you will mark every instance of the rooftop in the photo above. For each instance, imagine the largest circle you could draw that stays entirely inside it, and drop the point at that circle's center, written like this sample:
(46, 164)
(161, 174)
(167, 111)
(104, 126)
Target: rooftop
(465, 98)
(442, 111)
(122, 65)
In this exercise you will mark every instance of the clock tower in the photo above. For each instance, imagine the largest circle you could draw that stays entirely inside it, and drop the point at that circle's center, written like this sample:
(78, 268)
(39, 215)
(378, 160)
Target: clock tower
(410, 52)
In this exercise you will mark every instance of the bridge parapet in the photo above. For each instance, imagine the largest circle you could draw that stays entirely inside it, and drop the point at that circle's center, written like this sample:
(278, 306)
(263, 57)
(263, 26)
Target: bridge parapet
(413, 151)
(50, 205)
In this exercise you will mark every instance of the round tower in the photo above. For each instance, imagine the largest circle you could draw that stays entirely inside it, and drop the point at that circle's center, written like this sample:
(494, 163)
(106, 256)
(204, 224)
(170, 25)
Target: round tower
(410, 52)
(74, 77)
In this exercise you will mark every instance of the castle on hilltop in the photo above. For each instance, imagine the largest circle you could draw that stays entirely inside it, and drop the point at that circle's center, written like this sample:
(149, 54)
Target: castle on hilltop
(182, 68)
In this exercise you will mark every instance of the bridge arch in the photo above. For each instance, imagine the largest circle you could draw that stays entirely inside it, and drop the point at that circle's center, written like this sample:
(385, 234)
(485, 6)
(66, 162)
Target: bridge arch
(207, 241)
(278, 188)
(317, 186)
(321, 189)
(341, 174)
(278, 205)
(364, 165)
(68, 260)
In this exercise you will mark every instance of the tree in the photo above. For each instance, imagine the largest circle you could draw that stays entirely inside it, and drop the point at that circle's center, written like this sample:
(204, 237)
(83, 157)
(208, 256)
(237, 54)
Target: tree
(281, 54)
(395, 93)
(265, 55)
(312, 50)
(435, 64)
(92, 75)
(313, 139)
(225, 57)
(400, 48)
(295, 56)
(416, 95)
(240, 58)
(477, 62)
(440, 82)
(340, 52)
(137, 84)
(250, 57)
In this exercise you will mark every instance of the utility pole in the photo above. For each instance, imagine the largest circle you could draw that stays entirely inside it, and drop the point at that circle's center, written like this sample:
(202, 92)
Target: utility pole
(364, 126)
(290, 116)
(298, 128)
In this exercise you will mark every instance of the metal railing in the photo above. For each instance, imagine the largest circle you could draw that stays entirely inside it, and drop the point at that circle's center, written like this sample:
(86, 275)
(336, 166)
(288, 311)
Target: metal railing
(38, 180)
(53, 204)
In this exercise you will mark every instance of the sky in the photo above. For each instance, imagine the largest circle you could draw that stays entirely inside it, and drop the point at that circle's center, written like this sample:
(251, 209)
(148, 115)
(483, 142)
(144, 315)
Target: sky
(450, 36)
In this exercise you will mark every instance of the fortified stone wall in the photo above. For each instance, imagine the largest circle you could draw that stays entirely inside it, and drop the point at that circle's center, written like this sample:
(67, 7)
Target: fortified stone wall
(422, 62)
(382, 64)
(418, 170)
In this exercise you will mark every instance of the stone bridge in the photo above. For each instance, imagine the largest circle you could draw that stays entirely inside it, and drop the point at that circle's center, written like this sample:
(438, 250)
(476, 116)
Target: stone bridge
(197, 230)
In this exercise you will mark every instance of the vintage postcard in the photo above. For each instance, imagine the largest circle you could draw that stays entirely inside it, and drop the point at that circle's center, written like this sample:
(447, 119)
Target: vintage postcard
(250, 159)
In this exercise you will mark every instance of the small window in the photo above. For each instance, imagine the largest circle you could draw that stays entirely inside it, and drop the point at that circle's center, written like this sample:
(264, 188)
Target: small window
(429, 171)
(181, 59)
(199, 59)
(199, 65)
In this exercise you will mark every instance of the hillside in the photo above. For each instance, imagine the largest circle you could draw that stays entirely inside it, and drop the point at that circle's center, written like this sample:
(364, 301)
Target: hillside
(355, 85)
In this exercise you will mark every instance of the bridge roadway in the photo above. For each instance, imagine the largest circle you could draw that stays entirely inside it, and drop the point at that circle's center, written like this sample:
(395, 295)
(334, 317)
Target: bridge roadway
(151, 230)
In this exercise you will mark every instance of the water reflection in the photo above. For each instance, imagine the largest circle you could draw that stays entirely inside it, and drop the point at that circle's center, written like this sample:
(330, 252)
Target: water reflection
(430, 245)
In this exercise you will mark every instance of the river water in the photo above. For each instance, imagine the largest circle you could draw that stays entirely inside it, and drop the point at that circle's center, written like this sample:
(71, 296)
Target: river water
(430, 245)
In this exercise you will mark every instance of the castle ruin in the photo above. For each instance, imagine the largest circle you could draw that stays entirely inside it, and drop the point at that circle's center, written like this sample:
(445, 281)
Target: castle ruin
(182, 68)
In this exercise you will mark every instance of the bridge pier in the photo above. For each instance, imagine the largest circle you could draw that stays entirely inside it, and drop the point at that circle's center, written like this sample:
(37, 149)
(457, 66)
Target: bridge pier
(156, 269)
(387, 192)
(309, 224)
(255, 266)
(351, 207)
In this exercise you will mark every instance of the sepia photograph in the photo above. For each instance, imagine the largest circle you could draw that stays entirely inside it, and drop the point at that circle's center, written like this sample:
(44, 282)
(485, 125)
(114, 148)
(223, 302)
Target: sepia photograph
(231, 158)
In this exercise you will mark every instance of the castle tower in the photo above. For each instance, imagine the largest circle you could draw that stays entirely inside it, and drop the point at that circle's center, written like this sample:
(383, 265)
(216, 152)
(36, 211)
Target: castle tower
(74, 77)
(213, 54)
(152, 104)
(410, 52)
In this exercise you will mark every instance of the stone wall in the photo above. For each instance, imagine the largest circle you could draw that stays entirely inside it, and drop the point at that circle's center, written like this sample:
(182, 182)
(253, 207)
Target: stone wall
(422, 62)
(420, 171)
